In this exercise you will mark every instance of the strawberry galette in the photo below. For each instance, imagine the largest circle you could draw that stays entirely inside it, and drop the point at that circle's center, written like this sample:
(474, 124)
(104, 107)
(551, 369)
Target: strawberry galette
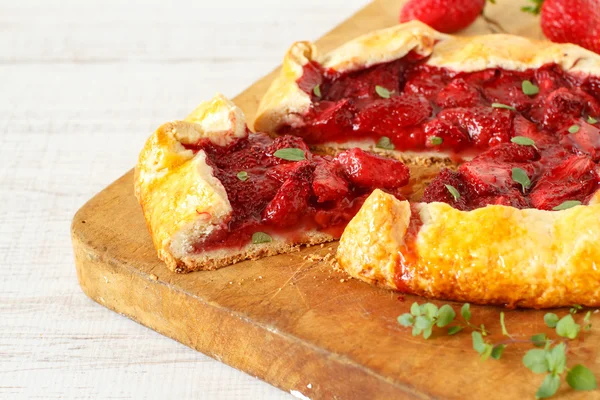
(213, 194)
(515, 219)
(503, 141)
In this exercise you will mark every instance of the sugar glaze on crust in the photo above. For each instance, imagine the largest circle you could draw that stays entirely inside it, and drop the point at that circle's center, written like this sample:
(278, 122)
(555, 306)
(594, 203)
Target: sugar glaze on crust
(183, 201)
(285, 103)
(492, 255)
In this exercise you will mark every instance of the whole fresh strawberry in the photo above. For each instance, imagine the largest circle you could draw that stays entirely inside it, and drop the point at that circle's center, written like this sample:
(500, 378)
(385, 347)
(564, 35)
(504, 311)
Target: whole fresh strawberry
(573, 21)
(443, 15)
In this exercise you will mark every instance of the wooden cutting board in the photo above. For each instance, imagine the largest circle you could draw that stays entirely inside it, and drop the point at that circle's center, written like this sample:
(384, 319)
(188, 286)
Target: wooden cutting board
(296, 323)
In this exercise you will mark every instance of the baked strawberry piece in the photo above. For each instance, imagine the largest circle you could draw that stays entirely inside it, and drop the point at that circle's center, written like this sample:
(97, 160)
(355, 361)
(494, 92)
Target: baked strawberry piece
(458, 93)
(485, 126)
(583, 138)
(573, 179)
(449, 187)
(363, 84)
(372, 171)
(397, 118)
(328, 181)
(507, 88)
(422, 82)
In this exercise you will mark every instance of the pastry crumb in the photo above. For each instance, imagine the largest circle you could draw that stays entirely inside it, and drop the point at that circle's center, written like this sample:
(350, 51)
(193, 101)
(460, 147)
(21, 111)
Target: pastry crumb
(335, 266)
(153, 277)
(313, 257)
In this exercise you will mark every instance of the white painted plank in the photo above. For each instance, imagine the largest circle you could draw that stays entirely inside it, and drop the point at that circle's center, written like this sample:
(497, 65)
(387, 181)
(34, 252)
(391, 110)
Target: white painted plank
(155, 31)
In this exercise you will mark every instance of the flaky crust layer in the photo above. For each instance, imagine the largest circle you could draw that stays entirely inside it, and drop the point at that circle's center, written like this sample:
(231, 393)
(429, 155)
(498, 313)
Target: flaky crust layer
(285, 103)
(183, 201)
(492, 255)
(215, 259)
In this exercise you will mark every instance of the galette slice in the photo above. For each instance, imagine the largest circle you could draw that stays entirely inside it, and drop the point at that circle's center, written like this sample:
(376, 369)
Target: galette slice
(214, 194)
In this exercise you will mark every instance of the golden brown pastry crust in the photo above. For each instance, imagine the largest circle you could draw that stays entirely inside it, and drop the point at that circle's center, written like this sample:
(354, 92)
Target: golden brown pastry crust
(285, 103)
(492, 255)
(182, 200)
(179, 195)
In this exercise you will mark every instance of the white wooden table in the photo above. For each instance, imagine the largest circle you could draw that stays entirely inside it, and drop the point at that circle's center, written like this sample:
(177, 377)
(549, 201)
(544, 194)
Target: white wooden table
(82, 84)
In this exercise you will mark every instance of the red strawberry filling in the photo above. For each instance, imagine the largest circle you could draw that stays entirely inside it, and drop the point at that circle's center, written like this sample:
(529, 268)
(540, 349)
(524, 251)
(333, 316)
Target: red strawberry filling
(400, 99)
(553, 157)
(584, 140)
(553, 174)
(279, 194)
(551, 115)
(570, 179)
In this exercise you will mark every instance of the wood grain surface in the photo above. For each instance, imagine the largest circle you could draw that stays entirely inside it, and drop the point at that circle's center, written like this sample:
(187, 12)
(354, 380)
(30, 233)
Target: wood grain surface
(294, 322)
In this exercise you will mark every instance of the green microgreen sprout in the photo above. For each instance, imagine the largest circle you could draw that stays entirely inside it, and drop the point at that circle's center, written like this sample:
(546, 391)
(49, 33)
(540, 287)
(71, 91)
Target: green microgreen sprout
(504, 106)
(529, 88)
(385, 143)
(317, 90)
(383, 92)
(549, 357)
(453, 191)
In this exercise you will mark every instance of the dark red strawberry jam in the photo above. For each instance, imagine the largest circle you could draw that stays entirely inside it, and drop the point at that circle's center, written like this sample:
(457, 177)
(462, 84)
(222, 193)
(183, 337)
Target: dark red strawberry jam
(555, 175)
(424, 108)
(279, 196)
